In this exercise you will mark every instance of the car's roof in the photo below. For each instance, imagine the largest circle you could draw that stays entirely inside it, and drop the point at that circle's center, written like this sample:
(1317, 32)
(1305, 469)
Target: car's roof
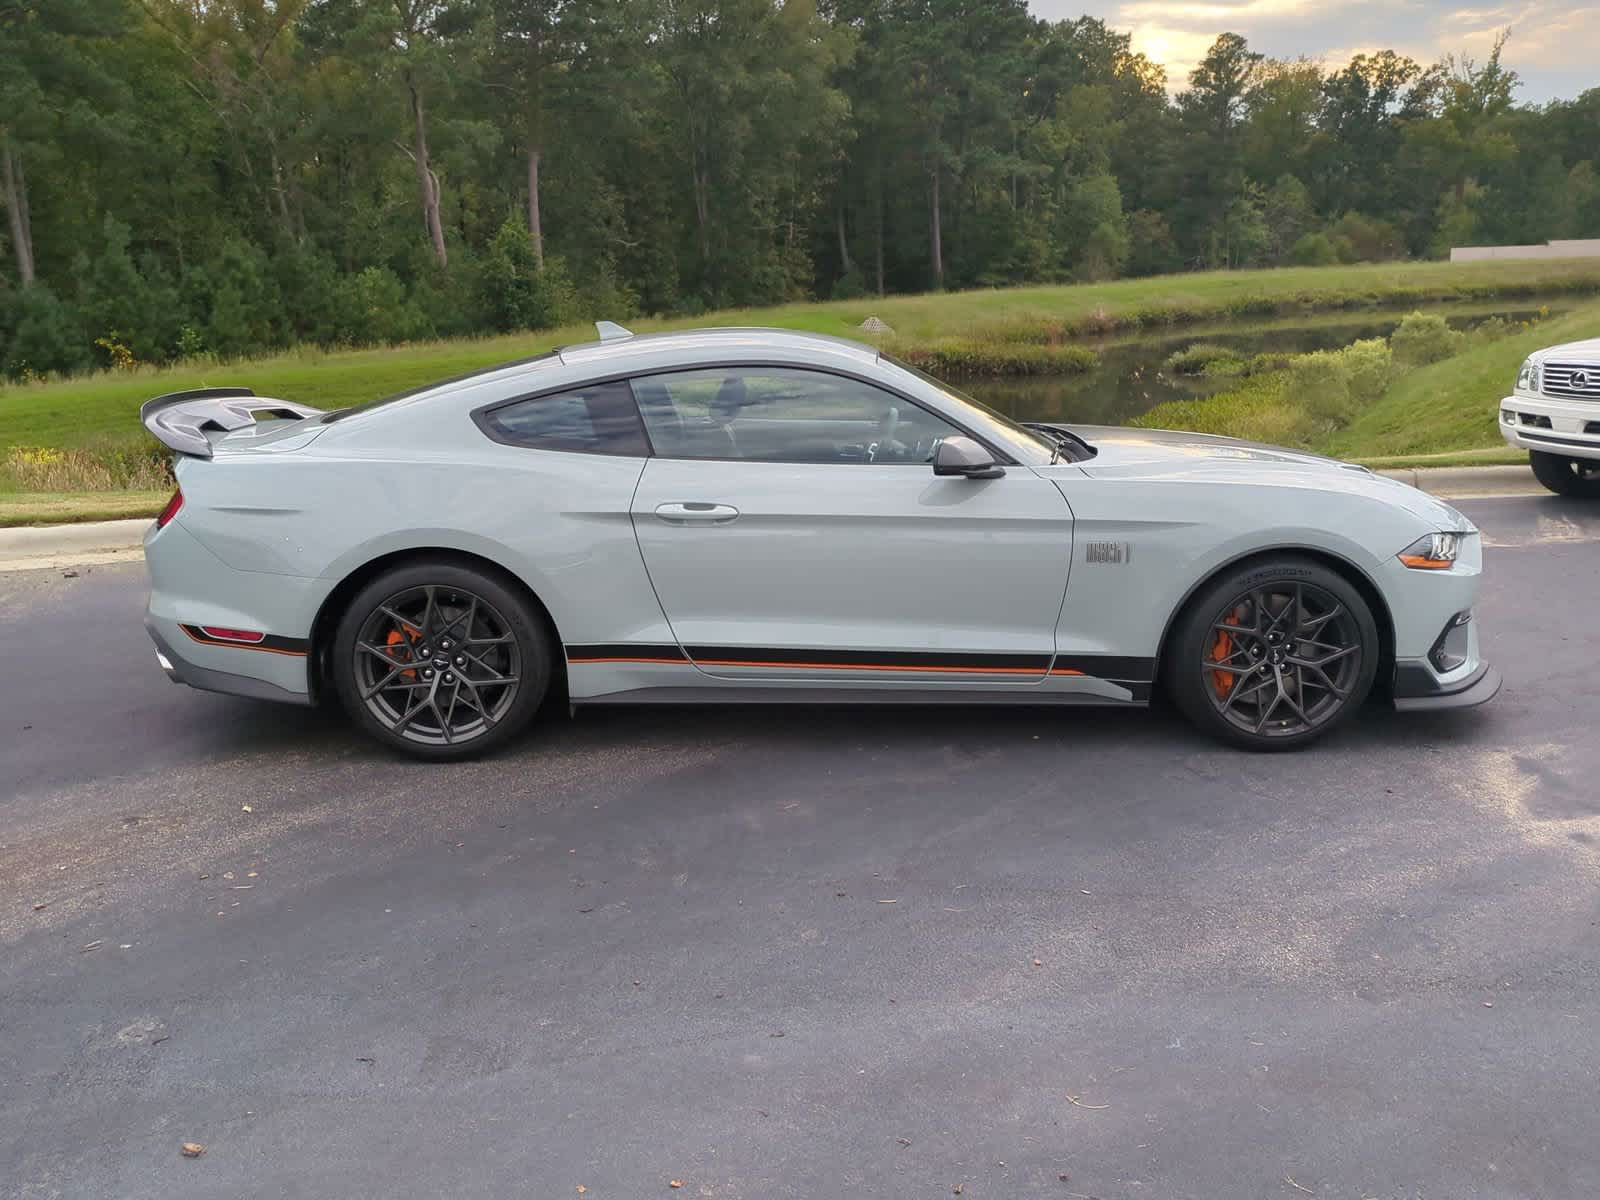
(712, 343)
(678, 350)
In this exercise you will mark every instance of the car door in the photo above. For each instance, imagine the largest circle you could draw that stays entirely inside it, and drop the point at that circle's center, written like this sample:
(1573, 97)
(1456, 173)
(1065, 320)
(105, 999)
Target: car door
(793, 528)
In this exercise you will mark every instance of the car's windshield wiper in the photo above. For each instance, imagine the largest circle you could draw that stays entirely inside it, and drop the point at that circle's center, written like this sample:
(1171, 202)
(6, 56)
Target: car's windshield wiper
(1076, 448)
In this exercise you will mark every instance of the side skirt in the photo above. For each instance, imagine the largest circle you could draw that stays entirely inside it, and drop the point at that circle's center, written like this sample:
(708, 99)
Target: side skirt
(1139, 697)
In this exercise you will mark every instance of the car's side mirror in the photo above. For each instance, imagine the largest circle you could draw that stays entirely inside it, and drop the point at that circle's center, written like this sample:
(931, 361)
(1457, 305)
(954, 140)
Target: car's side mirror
(962, 456)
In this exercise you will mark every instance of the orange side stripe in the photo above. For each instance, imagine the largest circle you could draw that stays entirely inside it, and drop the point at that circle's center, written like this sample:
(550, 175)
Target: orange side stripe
(242, 645)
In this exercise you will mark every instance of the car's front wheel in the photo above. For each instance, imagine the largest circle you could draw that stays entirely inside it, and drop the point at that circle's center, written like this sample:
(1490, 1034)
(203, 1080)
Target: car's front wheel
(1579, 477)
(1273, 655)
(440, 660)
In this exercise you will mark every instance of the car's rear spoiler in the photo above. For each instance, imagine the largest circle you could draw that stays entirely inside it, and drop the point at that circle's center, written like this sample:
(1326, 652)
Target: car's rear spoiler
(181, 419)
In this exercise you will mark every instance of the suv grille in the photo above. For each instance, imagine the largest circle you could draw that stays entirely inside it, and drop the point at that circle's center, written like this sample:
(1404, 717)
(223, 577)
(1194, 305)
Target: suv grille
(1576, 381)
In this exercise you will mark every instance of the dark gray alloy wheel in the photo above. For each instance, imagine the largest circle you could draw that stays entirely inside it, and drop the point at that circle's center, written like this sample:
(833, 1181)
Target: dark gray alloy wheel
(1275, 656)
(440, 661)
(1577, 477)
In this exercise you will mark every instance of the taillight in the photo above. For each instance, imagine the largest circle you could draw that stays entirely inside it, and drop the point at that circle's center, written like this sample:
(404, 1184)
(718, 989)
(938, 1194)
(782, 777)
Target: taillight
(171, 510)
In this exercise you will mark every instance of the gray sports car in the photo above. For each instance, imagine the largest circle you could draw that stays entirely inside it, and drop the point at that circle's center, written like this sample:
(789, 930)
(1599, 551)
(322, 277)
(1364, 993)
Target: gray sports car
(739, 515)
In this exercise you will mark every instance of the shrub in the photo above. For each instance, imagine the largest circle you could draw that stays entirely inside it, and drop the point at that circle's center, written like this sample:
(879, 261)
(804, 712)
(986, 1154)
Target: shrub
(1333, 385)
(1367, 239)
(1258, 409)
(46, 335)
(1200, 358)
(515, 292)
(1424, 338)
(373, 307)
(852, 285)
(1314, 250)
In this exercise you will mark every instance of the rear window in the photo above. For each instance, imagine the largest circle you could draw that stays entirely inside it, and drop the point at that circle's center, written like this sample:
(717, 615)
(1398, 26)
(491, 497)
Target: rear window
(598, 419)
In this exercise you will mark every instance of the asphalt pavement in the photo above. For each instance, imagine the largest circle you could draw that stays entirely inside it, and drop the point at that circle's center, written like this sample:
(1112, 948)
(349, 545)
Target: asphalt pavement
(801, 953)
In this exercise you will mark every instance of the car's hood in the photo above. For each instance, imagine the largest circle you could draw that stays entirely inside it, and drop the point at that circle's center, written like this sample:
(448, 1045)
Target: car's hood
(1585, 351)
(1168, 454)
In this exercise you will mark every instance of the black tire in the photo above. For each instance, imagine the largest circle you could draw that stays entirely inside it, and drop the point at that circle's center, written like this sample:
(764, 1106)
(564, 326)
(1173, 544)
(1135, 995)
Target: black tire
(440, 660)
(1233, 669)
(1576, 477)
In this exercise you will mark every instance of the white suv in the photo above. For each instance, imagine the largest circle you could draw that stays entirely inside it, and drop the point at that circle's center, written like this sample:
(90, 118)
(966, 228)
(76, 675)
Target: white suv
(1554, 414)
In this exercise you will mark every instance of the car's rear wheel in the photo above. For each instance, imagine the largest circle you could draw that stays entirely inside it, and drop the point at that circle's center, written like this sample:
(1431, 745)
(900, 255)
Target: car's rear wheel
(440, 660)
(1273, 655)
(1565, 476)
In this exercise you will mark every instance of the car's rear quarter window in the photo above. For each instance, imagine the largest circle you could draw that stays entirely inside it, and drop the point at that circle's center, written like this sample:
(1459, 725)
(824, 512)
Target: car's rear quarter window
(596, 418)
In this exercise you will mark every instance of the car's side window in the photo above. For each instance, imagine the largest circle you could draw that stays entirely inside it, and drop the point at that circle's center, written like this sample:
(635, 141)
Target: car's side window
(784, 414)
(597, 418)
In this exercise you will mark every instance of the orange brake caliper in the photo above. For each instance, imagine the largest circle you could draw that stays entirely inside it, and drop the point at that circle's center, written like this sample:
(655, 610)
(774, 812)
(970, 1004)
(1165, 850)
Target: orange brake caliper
(396, 640)
(1222, 680)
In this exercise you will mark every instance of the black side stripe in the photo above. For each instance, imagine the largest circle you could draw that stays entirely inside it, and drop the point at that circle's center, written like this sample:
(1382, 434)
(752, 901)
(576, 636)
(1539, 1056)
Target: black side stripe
(925, 659)
(602, 652)
(1116, 668)
(272, 643)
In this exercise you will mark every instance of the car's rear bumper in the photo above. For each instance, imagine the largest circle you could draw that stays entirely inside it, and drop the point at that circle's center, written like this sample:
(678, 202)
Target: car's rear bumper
(1565, 427)
(192, 590)
(182, 670)
(1418, 689)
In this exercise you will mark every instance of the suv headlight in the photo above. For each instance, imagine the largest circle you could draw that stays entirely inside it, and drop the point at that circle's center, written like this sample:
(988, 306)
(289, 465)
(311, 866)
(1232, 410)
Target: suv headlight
(1528, 377)
(1432, 552)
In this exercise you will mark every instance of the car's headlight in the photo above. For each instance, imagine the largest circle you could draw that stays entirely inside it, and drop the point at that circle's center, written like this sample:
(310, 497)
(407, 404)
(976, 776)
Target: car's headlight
(1528, 377)
(1432, 552)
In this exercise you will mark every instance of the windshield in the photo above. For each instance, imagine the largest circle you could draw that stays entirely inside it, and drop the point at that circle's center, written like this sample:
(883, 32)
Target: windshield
(1030, 446)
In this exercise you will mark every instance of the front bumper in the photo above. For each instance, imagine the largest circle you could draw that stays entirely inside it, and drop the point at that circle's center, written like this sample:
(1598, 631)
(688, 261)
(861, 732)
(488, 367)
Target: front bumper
(1418, 689)
(1566, 427)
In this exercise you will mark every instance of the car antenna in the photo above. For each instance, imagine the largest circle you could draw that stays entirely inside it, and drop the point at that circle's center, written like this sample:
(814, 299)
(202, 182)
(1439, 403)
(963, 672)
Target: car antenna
(610, 331)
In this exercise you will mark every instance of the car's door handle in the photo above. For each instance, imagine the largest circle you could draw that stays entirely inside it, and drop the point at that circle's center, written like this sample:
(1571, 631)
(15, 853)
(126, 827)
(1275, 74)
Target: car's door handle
(697, 511)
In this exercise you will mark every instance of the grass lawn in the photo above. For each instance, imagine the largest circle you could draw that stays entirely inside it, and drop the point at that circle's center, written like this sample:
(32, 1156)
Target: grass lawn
(1450, 405)
(62, 508)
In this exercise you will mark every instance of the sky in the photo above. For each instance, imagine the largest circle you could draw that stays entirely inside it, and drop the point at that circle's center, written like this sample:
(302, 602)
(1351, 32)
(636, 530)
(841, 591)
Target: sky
(1554, 46)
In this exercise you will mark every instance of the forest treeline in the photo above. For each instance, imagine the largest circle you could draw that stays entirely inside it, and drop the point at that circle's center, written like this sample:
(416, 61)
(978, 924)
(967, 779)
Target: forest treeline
(183, 177)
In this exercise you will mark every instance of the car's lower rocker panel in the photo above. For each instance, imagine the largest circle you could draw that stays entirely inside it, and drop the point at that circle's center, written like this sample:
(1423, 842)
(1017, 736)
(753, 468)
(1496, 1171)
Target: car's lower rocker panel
(1139, 697)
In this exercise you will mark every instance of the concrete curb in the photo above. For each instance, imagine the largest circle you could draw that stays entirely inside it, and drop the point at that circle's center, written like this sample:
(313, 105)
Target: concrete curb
(41, 547)
(1459, 483)
(50, 546)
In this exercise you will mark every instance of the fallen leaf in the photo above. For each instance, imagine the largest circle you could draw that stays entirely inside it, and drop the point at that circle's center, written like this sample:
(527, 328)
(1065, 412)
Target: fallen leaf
(192, 1150)
(904, 1141)
(674, 1183)
(581, 1189)
(956, 1189)
(246, 808)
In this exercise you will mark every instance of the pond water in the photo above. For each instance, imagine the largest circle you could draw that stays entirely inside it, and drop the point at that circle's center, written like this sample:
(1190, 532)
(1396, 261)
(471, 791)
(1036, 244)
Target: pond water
(1131, 377)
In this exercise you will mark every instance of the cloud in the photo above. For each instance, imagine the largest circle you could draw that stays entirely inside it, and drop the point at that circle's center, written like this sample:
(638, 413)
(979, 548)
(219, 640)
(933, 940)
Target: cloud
(1552, 45)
